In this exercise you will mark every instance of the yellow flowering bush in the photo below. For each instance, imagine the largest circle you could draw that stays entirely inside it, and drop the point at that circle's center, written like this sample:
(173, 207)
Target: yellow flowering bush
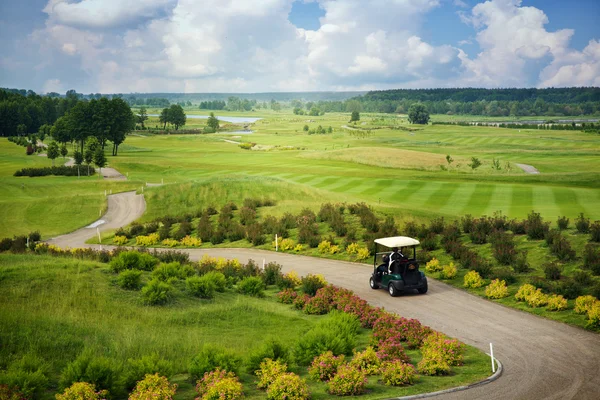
(324, 246)
(149, 240)
(269, 371)
(496, 290)
(525, 291)
(82, 391)
(556, 303)
(363, 254)
(286, 244)
(120, 240)
(219, 385)
(293, 277)
(334, 249)
(366, 361)
(352, 248)
(170, 242)
(298, 248)
(397, 373)
(448, 271)
(433, 266)
(153, 387)
(594, 315)
(537, 299)
(190, 241)
(288, 386)
(473, 280)
(584, 303)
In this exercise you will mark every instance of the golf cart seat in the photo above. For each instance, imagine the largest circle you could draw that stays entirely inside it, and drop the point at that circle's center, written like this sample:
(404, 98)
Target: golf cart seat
(396, 267)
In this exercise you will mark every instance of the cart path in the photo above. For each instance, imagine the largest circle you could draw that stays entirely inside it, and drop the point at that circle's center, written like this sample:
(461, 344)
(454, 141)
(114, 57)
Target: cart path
(530, 169)
(542, 359)
(107, 172)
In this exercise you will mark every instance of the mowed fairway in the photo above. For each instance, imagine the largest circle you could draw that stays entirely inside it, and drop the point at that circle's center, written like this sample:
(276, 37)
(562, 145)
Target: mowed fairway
(394, 170)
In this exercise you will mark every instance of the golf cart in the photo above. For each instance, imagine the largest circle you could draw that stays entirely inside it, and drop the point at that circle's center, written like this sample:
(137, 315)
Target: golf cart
(402, 272)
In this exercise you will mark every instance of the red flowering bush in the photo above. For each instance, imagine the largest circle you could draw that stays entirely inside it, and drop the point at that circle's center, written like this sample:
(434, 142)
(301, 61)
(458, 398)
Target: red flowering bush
(219, 385)
(317, 305)
(300, 301)
(153, 387)
(349, 380)
(287, 296)
(288, 386)
(269, 371)
(391, 349)
(407, 330)
(325, 366)
(8, 393)
(397, 373)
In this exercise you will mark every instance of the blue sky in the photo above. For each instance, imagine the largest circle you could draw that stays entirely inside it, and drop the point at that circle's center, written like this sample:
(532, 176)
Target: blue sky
(286, 45)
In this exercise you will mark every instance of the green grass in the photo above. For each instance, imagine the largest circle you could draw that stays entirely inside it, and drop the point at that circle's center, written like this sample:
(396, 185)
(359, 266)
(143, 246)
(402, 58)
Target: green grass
(56, 308)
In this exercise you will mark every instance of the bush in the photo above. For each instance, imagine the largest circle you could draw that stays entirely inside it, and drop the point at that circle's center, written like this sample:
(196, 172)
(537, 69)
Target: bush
(504, 274)
(496, 289)
(521, 265)
(254, 234)
(537, 299)
(156, 292)
(219, 385)
(132, 260)
(153, 387)
(269, 371)
(582, 224)
(535, 227)
(397, 373)
(584, 303)
(594, 316)
(561, 248)
(448, 271)
(582, 278)
(591, 258)
(433, 366)
(312, 283)
(120, 240)
(190, 241)
(169, 242)
(201, 286)
(473, 280)
(8, 393)
(137, 369)
(325, 366)
(595, 232)
(363, 254)
(568, 288)
(556, 303)
(270, 349)
(26, 376)
(287, 296)
(82, 391)
(288, 386)
(524, 292)
(271, 273)
(60, 170)
(429, 242)
(433, 266)
(252, 286)
(562, 223)
(552, 271)
(366, 361)
(212, 357)
(348, 380)
(95, 370)
(130, 279)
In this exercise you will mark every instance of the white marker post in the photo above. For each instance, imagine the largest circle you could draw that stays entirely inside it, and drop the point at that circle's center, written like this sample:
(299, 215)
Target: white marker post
(276, 244)
(99, 239)
(492, 356)
(100, 212)
(264, 261)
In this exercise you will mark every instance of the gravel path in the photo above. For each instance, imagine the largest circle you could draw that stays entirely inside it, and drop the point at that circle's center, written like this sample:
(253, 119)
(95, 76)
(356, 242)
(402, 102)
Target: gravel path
(530, 169)
(542, 359)
(107, 172)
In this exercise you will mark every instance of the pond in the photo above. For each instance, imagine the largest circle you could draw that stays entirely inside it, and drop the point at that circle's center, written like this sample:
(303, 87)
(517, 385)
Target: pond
(233, 120)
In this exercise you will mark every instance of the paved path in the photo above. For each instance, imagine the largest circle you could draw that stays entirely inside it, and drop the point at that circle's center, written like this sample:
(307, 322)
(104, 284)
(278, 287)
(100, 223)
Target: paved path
(107, 172)
(528, 168)
(542, 359)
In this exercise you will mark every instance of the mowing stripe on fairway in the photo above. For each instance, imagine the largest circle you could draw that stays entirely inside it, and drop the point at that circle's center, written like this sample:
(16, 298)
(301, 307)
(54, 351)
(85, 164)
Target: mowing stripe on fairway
(567, 201)
(479, 200)
(402, 195)
(305, 179)
(522, 200)
(380, 185)
(459, 199)
(544, 201)
(441, 196)
(346, 186)
(590, 202)
(329, 182)
(501, 199)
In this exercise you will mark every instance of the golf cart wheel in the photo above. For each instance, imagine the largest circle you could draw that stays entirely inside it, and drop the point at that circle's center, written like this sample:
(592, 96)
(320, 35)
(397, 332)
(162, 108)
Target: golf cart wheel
(423, 290)
(392, 290)
(373, 284)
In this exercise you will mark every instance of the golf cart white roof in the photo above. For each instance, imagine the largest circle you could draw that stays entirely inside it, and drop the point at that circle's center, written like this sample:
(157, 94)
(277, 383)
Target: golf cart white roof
(397, 241)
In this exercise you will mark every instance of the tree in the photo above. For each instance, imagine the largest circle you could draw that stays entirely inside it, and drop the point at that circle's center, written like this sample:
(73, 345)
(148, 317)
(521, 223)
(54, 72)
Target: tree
(60, 131)
(475, 163)
(314, 111)
(53, 151)
(418, 114)
(142, 116)
(78, 158)
(176, 116)
(120, 123)
(305, 129)
(63, 150)
(163, 118)
(355, 116)
(449, 160)
(213, 122)
(88, 156)
(99, 159)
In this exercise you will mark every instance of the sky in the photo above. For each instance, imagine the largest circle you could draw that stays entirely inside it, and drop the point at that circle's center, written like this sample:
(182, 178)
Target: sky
(120, 46)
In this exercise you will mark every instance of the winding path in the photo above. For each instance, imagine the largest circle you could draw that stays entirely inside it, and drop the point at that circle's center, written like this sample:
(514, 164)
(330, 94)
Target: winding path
(542, 359)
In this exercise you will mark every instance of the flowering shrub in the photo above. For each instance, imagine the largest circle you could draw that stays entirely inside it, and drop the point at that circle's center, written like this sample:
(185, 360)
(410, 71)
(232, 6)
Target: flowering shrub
(286, 244)
(325, 366)
(120, 240)
(448, 271)
(473, 280)
(433, 366)
(287, 296)
(433, 266)
(219, 385)
(300, 301)
(407, 330)
(437, 345)
(594, 315)
(153, 387)
(288, 386)
(82, 391)
(311, 283)
(584, 303)
(149, 240)
(169, 242)
(556, 303)
(349, 380)
(269, 371)
(334, 249)
(397, 373)
(8, 393)
(317, 305)
(496, 290)
(537, 299)
(298, 248)
(293, 277)
(352, 248)
(190, 241)
(524, 291)
(363, 253)
(324, 246)
(366, 361)
(391, 349)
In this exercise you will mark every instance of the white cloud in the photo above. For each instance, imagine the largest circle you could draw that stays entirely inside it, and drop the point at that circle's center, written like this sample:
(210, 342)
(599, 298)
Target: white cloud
(53, 85)
(460, 3)
(575, 68)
